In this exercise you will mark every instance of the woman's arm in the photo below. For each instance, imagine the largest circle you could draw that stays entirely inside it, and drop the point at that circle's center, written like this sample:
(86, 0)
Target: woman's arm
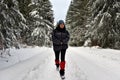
(65, 41)
(55, 39)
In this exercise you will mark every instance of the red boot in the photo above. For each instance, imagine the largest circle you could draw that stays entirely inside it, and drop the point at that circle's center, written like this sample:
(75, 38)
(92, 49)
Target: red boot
(57, 63)
(62, 68)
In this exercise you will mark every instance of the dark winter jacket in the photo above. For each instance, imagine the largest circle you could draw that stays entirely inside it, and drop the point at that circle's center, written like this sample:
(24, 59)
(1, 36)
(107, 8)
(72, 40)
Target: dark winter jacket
(60, 38)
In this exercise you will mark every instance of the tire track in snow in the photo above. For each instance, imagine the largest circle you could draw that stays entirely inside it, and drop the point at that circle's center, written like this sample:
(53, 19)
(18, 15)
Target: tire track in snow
(93, 68)
(81, 64)
(73, 72)
(21, 69)
(36, 71)
(45, 69)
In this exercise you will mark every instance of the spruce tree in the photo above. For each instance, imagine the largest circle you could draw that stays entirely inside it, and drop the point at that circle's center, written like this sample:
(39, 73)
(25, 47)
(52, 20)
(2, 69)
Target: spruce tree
(11, 24)
(96, 20)
(25, 22)
(39, 16)
(105, 28)
(76, 20)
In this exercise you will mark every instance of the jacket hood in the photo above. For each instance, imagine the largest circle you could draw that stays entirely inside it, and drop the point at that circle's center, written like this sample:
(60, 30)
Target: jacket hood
(60, 22)
(58, 25)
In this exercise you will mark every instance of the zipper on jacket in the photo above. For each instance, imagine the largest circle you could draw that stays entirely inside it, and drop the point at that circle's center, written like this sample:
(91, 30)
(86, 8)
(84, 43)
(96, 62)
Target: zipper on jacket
(61, 37)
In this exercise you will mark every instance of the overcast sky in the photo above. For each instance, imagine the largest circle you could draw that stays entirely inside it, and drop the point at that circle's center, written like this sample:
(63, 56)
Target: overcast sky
(60, 8)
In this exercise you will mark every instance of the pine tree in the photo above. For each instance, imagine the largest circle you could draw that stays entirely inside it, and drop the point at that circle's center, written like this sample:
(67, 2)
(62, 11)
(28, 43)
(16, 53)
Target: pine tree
(11, 24)
(25, 21)
(105, 28)
(97, 19)
(76, 20)
(42, 22)
(39, 17)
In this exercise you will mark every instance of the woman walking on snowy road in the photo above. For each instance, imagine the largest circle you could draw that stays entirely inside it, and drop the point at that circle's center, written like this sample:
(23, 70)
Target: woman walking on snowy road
(60, 38)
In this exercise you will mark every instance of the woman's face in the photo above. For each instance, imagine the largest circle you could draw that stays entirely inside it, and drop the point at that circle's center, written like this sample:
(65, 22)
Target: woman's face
(62, 26)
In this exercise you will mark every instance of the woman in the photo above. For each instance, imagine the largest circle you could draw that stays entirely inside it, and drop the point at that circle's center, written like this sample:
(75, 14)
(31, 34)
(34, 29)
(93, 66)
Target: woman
(60, 38)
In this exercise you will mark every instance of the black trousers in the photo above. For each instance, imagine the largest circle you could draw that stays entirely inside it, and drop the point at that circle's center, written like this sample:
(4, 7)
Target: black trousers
(57, 54)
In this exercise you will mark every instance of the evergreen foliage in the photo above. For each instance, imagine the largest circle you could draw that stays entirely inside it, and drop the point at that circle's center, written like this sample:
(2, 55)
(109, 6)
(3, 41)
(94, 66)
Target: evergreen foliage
(97, 20)
(25, 22)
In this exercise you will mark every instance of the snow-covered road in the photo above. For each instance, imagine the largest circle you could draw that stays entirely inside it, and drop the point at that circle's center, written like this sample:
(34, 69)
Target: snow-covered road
(81, 64)
(94, 66)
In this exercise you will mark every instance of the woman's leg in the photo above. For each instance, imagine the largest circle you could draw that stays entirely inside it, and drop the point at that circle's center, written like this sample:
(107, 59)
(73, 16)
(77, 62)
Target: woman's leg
(63, 51)
(62, 64)
(57, 62)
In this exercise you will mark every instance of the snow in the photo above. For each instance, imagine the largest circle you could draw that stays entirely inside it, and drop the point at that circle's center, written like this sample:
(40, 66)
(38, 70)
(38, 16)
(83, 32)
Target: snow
(87, 42)
(82, 63)
(118, 15)
(35, 14)
(117, 5)
(18, 56)
(37, 32)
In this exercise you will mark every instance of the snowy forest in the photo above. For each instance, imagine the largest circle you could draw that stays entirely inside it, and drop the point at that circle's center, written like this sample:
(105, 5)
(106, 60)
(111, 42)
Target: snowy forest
(30, 22)
(25, 22)
(27, 49)
(94, 21)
